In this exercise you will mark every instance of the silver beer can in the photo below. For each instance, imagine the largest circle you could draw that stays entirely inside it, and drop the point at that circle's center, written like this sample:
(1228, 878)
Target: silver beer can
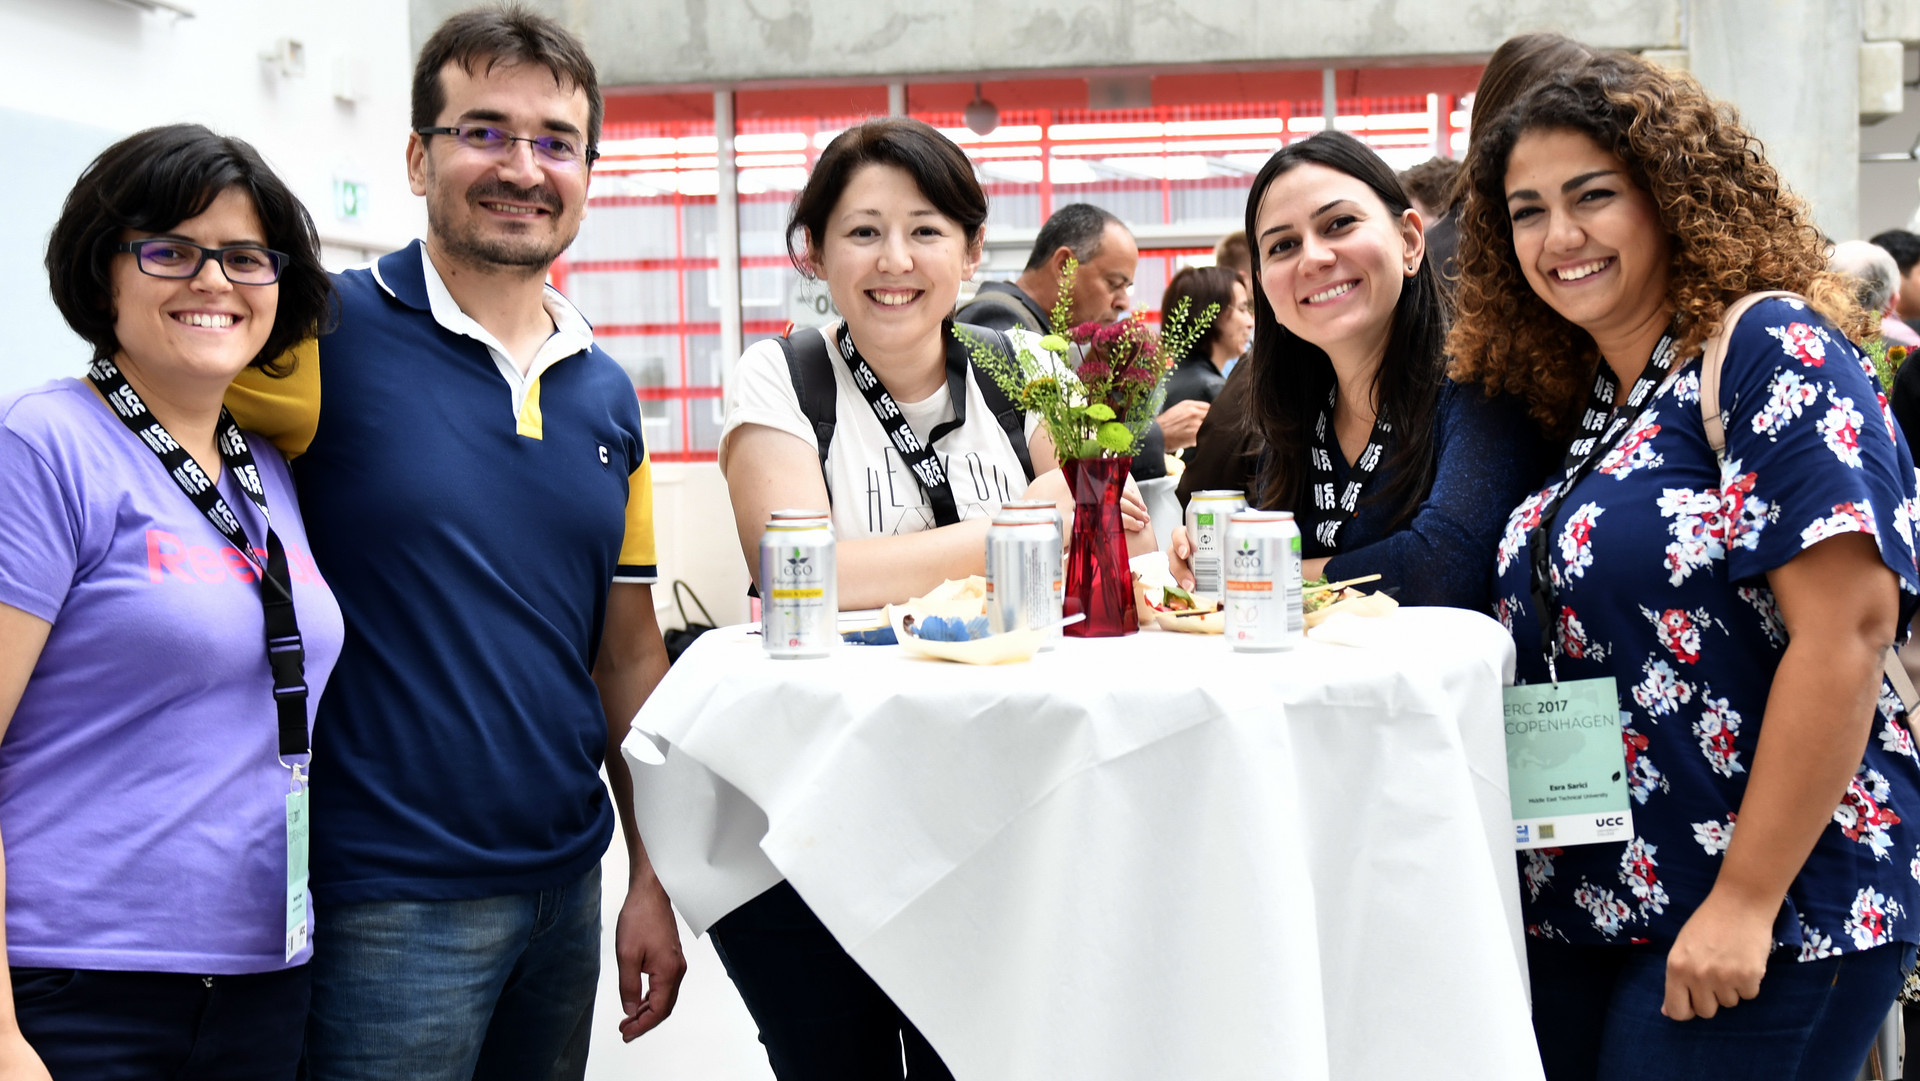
(1207, 514)
(1262, 566)
(1026, 581)
(799, 605)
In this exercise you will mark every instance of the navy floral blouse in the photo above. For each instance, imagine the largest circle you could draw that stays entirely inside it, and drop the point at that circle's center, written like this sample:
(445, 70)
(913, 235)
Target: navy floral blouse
(1660, 559)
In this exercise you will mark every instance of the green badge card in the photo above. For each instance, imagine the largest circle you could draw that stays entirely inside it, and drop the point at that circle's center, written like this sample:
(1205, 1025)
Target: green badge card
(296, 870)
(1566, 764)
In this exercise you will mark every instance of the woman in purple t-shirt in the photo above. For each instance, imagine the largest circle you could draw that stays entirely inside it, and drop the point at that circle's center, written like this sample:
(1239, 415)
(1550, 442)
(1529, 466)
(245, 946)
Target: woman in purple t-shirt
(151, 752)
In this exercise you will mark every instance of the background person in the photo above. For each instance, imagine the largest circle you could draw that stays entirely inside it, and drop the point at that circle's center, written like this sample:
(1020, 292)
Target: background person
(143, 795)
(1876, 286)
(1759, 921)
(1905, 249)
(1389, 467)
(1200, 374)
(476, 477)
(1102, 292)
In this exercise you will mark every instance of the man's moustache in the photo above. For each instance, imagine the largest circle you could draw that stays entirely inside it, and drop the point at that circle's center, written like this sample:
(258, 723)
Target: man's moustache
(541, 196)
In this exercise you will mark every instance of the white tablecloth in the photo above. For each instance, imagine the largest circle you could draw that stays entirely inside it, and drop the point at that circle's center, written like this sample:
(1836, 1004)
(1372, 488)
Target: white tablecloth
(1138, 858)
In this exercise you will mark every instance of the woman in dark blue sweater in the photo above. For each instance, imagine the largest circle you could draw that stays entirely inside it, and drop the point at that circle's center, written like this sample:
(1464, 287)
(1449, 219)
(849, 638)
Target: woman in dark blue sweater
(1389, 468)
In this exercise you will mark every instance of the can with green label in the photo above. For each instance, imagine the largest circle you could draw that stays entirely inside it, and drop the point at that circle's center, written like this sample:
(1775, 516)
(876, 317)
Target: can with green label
(799, 606)
(1207, 514)
(1262, 563)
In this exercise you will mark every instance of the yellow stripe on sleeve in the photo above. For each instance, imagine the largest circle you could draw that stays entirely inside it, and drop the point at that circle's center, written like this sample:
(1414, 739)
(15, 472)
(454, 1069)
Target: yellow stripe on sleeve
(636, 548)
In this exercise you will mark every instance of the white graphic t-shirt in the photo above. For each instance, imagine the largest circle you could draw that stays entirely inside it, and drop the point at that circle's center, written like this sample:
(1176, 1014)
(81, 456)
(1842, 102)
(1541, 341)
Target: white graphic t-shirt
(874, 493)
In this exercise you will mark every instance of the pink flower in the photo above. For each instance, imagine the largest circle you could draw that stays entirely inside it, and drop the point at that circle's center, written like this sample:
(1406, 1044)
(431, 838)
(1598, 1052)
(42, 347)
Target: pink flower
(1137, 376)
(1111, 334)
(1093, 370)
(1084, 333)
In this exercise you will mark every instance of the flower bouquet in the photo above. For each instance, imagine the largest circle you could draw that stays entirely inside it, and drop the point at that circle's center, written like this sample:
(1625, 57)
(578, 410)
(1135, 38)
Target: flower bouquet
(1096, 411)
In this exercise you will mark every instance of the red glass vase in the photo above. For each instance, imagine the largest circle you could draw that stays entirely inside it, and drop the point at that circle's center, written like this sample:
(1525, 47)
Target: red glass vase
(1099, 583)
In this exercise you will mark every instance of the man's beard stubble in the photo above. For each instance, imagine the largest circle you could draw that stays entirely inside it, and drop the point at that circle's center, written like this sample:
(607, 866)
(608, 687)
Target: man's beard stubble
(532, 255)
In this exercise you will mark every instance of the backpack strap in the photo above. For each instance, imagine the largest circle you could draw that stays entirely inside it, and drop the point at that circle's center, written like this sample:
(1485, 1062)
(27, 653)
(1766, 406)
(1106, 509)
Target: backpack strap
(994, 298)
(1012, 418)
(1714, 356)
(1712, 359)
(810, 367)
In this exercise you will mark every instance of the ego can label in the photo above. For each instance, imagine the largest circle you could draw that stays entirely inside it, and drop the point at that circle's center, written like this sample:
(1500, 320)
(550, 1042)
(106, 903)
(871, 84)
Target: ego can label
(799, 610)
(1207, 515)
(1261, 562)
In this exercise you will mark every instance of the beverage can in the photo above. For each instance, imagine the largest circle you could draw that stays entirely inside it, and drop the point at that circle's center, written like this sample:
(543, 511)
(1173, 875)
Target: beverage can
(1025, 572)
(1261, 562)
(799, 607)
(1207, 514)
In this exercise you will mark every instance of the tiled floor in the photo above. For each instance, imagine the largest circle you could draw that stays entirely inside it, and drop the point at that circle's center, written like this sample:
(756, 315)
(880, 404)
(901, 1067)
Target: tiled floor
(710, 1037)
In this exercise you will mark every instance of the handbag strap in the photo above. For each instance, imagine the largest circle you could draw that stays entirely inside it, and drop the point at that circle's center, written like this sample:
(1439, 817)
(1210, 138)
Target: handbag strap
(1712, 359)
(681, 603)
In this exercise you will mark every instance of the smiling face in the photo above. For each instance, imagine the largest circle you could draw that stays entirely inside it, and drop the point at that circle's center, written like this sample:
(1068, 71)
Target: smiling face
(179, 332)
(892, 261)
(1332, 259)
(1588, 239)
(502, 210)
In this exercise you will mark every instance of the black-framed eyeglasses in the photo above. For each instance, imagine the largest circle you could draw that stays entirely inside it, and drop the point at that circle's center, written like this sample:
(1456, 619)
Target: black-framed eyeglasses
(243, 264)
(553, 149)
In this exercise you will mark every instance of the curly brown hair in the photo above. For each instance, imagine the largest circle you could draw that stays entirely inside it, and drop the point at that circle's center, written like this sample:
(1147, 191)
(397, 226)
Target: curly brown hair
(1733, 228)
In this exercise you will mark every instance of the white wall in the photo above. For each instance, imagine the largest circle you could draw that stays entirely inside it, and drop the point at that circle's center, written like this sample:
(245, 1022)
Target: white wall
(81, 73)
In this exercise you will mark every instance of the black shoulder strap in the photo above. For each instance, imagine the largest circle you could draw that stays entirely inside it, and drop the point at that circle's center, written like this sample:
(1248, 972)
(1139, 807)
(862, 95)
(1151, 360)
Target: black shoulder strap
(811, 369)
(1012, 418)
(994, 298)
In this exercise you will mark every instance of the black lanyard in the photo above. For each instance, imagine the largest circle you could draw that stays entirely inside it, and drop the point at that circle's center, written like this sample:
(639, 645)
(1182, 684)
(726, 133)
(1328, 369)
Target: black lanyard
(1597, 438)
(1320, 473)
(920, 457)
(285, 654)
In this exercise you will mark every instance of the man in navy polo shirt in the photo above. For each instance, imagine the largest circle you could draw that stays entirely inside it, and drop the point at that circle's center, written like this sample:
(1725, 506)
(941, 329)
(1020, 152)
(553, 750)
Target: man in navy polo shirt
(477, 490)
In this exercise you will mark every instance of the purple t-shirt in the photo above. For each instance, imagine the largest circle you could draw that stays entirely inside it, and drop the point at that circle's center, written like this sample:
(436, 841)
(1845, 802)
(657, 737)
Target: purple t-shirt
(142, 802)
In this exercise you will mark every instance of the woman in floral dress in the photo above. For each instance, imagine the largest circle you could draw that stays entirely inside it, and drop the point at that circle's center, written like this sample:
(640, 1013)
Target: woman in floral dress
(1759, 921)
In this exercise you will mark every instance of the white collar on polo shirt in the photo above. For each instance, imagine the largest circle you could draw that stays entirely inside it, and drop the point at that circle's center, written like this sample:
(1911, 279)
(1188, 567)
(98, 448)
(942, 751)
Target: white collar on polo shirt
(571, 331)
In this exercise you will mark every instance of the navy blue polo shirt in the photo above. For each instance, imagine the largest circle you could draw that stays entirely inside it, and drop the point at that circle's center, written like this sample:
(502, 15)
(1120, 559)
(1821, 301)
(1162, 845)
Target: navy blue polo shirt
(470, 519)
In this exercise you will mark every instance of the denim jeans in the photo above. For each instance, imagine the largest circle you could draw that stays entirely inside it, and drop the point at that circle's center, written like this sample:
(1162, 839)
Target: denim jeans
(821, 1017)
(89, 1025)
(1596, 1014)
(497, 988)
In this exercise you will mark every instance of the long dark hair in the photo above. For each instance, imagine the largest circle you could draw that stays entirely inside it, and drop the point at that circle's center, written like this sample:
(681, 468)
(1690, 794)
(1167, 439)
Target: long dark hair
(1292, 377)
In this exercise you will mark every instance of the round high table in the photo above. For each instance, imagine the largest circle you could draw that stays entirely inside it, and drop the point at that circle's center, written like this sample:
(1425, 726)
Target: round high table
(1137, 858)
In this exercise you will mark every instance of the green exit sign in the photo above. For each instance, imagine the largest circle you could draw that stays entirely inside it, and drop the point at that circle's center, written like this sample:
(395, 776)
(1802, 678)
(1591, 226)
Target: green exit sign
(349, 199)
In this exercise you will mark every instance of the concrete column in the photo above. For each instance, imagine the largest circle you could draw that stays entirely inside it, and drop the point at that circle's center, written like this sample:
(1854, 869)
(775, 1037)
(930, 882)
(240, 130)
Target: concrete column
(727, 231)
(1793, 71)
(1329, 100)
(896, 99)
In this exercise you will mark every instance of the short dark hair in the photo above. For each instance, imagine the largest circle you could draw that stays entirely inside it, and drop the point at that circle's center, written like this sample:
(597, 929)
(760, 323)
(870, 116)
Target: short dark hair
(1077, 227)
(151, 182)
(1902, 245)
(1431, 183)
(1233, 249)
(1201, 286)
(939, 168)
(508, 34)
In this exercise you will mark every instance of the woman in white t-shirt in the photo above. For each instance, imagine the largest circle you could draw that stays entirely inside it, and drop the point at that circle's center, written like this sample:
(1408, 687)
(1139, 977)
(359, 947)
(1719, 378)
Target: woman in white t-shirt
(893, 219)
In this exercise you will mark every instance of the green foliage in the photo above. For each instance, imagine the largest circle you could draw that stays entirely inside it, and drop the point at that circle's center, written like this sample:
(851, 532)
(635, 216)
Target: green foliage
(1103, 406)
(1886, 360)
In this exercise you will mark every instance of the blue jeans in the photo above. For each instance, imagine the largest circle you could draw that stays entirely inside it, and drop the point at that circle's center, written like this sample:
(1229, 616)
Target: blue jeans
(500, 987)
(90, 1025)
(1596, 1015)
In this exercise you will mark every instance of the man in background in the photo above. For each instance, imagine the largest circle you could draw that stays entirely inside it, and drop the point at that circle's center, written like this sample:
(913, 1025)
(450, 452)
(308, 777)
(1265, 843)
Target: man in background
(1905, 249)
(1108, 259)
(478, 495)
(1876, 279)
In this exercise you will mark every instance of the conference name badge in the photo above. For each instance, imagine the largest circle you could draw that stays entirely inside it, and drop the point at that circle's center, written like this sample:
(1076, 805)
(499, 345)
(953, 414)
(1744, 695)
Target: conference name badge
(296, 938)
(1566, 764)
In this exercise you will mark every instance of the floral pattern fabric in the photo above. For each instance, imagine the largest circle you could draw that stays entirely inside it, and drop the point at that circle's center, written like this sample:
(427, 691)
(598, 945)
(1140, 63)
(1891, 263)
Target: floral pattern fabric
(1660, 556)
